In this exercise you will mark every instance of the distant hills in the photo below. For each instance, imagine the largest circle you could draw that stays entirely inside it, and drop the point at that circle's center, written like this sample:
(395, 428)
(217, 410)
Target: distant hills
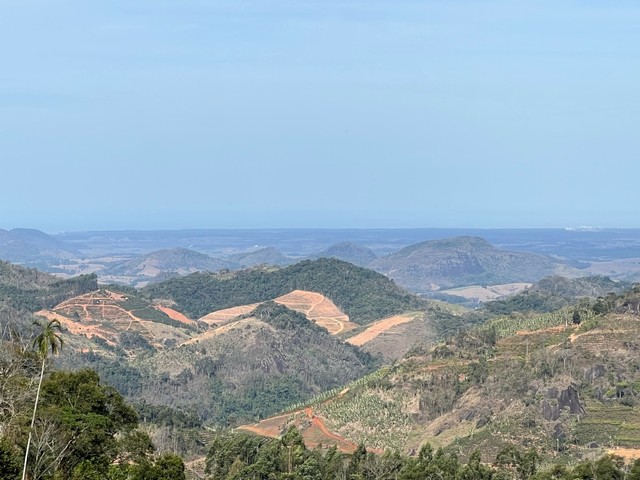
(26, 245)
(262, 256)
(349, 252)
(163, 264)
(435, 264)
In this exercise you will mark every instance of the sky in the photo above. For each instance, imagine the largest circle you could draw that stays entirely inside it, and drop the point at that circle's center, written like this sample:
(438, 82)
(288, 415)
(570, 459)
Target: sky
(149, 114)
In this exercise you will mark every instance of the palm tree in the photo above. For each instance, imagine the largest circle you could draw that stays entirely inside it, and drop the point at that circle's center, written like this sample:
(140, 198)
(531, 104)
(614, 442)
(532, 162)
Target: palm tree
(47, 340)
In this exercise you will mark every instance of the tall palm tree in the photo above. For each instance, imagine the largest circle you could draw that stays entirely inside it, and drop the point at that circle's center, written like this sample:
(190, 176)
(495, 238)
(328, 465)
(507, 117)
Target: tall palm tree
(47, 340)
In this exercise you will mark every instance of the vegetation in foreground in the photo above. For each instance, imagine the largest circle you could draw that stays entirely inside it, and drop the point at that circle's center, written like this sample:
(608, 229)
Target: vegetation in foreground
(236, 456)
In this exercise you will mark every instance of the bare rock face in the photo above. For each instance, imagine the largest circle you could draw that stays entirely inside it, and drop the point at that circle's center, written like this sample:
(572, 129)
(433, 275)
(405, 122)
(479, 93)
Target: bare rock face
(557, 400)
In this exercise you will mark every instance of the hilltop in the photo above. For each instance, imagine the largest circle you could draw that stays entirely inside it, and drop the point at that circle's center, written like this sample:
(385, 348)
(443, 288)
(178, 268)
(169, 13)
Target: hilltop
(362, 294)
(349, 252)
(120, 323)
(459, 261)
(33, 247)
(262, 256)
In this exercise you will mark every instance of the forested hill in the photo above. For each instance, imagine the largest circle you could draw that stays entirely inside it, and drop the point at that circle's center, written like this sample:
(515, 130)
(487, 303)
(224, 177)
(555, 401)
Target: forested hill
(28, 289)
(362, 294)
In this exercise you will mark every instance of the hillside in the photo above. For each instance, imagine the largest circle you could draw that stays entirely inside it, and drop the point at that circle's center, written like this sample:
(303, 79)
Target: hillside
(362, 294)
(552, 293)
(30, 290)
(349, 252)
(459, 261)
(568, 389)
(120, 323)
(251, 368)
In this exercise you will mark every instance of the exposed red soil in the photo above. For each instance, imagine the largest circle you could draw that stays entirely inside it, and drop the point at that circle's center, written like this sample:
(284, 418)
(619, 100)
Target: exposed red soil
(380, 327)
(317, 308)
(311, 427)
(175, 315)
(220, 317)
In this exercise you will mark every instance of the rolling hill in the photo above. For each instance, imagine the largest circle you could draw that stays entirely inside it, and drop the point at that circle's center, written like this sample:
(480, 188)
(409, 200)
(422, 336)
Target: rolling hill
(262, 256)
(162, 264)
(349, 252)
(362, 294)
(30, 290)
(432, 265)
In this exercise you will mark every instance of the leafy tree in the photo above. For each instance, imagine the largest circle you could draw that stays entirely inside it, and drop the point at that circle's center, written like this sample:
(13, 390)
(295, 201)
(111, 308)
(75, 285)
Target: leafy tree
(88, 414)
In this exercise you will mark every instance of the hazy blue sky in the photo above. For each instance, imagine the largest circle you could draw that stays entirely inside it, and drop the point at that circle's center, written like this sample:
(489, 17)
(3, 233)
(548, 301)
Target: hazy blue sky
(354, 113)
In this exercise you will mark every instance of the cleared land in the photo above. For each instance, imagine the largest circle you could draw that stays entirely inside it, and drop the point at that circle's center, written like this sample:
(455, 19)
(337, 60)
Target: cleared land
(381, 327)
(311, 427)
(106, 314)
(176, 315)
(315, 306)
(319, 309)
(220, 317)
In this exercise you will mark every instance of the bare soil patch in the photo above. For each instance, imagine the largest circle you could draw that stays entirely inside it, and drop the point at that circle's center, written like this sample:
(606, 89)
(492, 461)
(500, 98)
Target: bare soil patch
(319, 309)
(629, 454)
(220, 317)
(380, 327)
(176, 315)
(311, 427)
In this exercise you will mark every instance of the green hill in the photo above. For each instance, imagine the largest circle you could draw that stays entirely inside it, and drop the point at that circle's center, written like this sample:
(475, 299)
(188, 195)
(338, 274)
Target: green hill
(349, 252)
(362, 294)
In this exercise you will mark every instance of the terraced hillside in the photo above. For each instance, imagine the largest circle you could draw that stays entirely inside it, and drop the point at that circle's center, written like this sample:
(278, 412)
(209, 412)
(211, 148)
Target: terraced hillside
(119, 320)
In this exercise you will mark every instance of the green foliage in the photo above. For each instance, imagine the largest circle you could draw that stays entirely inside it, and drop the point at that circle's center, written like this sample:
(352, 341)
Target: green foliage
(30, 290)
(362, 294)
(88, 414)
(9, 461)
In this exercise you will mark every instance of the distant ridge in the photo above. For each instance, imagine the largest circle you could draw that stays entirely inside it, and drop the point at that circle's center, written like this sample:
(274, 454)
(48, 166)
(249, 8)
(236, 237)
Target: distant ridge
(460, 261)
(262, 256)
(180, 261)
(349, 252)
(31, 246)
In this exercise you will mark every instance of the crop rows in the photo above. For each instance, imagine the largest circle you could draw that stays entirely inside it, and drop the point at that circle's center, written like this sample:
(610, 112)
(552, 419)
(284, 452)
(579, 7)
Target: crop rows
(371, 419)
(506, 326)
(334, 392)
